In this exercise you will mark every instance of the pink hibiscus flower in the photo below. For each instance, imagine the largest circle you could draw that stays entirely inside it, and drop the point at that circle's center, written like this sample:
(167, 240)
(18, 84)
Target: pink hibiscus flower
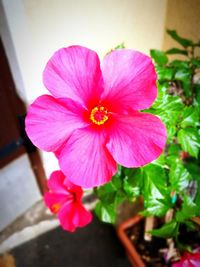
(188, 260)
(64, 199)
(92, 120)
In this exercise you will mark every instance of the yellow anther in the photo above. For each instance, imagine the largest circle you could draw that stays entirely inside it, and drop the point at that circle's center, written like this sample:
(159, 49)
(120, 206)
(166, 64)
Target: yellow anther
(99, 115)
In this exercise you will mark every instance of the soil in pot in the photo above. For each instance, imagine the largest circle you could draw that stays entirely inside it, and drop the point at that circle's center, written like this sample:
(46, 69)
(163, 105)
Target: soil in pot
(148, 250)
(152, 252)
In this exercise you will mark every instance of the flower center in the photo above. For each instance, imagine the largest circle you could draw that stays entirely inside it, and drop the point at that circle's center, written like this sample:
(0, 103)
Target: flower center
(56, 207)
(99, 115)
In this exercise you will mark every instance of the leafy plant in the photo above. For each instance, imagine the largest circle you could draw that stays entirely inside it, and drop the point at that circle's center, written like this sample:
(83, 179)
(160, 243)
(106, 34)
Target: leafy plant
(172, 182)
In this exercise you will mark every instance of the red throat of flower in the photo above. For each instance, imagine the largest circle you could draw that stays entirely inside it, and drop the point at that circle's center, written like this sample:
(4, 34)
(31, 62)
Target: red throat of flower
(99, 115)
(55, 208)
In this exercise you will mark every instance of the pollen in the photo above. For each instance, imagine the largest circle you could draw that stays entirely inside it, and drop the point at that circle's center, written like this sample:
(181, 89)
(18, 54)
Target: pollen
(55, 208)
(99, 115)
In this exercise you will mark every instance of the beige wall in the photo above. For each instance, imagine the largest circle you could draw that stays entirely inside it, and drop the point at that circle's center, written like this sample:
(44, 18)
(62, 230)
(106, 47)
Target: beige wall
(99, 25)
(183, 16)
(39, 27)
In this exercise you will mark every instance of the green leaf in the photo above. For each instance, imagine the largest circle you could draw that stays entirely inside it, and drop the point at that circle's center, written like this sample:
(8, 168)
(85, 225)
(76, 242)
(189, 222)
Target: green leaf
(190, 117)
(120, 46)
(106, 188)
(164, 73)
(156, 207)
(182, 41)
(152, 173)
(132, 182)
(106, 193)
(184, 75)
(179, 176)
(189, 140)
(160, 161)
(162, 91)
(188, 210)
(112, 194)
(155, 192)
(167, 230)
(194, 169)
(168, 108)
(172, 103)
(159, 57)
(196, 62)
(173, 51)
(108, 198)
(167, 102)
(180, 64)
(197, 198)
(174, 149)
(191, 226)
(106, 213)
(119, 198)
(196, 101)
(173, 154)
(117, 179)
(170, 123)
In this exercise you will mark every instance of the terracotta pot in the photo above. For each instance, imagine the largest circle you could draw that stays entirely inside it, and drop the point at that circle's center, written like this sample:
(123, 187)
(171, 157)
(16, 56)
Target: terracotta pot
(132, 254)
(196, 220)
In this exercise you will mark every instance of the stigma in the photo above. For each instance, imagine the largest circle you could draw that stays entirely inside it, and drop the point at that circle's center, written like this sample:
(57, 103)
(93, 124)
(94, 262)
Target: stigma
(99, 115)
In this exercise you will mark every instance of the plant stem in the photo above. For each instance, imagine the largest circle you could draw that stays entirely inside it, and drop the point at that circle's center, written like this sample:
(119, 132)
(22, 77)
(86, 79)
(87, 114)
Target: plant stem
(149, 223)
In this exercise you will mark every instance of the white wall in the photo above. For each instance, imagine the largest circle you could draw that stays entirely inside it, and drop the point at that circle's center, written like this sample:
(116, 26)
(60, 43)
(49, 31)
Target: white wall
(39, 27)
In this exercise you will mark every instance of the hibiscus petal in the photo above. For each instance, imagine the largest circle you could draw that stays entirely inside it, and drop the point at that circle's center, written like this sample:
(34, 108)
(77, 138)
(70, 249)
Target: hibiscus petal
(51, 121)
(177, 264)
(82, 217)
(137, 139)
(74, 72)
(77, 190)
(65, 216)
(56, 182)
(85, 160)
(53, 199)
(193, 263)
(130, 80)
